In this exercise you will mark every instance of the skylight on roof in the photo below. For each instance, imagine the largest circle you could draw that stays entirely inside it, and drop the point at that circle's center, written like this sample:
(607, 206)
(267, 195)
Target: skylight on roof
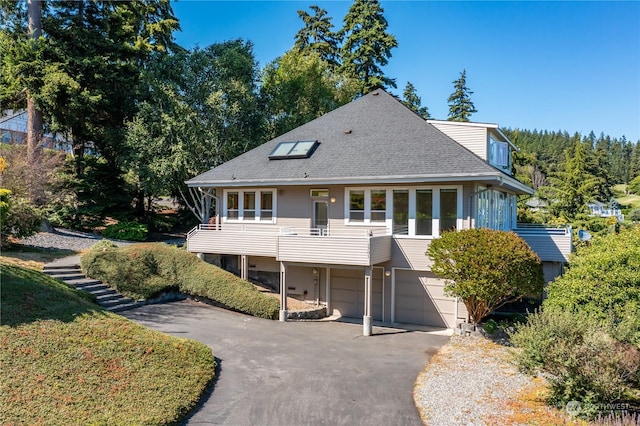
(299, 149)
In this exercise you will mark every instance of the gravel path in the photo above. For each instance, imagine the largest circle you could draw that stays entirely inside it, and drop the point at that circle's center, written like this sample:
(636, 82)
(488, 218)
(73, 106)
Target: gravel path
(66, 239)
(466, 383)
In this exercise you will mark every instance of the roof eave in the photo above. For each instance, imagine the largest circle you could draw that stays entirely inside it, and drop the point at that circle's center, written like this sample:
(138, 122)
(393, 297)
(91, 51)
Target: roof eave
(501, 178)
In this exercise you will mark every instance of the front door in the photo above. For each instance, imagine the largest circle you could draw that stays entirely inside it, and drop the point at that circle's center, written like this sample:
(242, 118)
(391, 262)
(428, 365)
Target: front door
(320, 217)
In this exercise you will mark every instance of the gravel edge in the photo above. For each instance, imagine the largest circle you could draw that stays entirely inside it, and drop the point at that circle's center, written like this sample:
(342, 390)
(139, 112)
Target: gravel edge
(467, 381)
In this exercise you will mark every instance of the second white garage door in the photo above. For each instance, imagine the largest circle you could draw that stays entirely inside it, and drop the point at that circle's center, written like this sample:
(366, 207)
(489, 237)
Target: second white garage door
(420, 300)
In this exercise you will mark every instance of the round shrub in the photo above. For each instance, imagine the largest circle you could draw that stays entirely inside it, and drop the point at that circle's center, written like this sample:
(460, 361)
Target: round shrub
(486, 268)
(104, 245)
(130, 231)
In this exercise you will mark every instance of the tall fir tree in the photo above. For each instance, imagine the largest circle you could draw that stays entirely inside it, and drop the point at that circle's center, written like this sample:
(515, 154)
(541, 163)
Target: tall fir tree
(367, 45)
(460, 105)
(413, 101)
(317, 36)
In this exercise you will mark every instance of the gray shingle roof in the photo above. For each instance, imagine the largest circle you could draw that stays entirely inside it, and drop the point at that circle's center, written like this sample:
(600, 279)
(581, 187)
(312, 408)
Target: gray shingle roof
(374, 137)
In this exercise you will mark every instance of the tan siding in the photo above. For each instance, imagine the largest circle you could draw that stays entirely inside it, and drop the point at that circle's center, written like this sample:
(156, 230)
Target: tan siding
(473, 138)
(339, 251)
(380, 249)
(227, 242)
(265, 264)
(301, 279)
(410, 253)
(550, 245)
(462, 312)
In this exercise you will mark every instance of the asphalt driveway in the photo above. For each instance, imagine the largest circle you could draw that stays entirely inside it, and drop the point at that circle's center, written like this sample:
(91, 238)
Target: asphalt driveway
(299, 373)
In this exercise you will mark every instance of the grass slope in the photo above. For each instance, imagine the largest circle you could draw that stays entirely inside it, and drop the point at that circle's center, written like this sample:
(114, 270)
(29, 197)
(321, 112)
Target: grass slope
(64, 360)
(141, 271)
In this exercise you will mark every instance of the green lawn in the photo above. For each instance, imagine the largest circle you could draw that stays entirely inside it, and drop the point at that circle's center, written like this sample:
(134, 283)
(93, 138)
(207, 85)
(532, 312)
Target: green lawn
(64, 360)
(632, 200)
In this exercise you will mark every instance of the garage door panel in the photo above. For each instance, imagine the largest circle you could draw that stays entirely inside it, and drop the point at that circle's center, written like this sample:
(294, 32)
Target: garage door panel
(420, 299)
(347, 293)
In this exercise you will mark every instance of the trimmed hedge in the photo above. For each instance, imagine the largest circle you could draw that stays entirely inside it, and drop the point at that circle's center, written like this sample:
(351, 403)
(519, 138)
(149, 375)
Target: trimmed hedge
(145, 270)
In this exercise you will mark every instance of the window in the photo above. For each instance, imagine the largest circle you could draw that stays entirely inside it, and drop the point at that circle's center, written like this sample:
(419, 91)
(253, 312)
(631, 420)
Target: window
(448, 209)
(401, 211)
(424, 212)
(249, 211)
(319, 193)
(232, 205)
(378, 205)
(499, 155)
(266, 205)
(496, 210)
(356, 206)
(250, 206)
(299, 149)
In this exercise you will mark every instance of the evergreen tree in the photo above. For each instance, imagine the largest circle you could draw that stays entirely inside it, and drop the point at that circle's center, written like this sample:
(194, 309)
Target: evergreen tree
(634, 168)
(413, 101)
(317, 35)
(572, 188)
(367, 45)
(460, 105)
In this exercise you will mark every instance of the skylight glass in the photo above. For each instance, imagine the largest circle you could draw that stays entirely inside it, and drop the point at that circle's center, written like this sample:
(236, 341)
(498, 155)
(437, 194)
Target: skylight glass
(299, 149)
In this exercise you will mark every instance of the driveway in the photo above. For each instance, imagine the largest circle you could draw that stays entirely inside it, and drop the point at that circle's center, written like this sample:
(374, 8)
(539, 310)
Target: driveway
(299, 373)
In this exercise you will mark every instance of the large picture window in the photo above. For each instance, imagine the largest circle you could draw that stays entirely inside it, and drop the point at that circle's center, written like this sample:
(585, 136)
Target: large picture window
(424, 212)
(249, 205)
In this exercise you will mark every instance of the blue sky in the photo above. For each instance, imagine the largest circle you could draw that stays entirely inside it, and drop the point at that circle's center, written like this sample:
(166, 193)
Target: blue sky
(571, 66)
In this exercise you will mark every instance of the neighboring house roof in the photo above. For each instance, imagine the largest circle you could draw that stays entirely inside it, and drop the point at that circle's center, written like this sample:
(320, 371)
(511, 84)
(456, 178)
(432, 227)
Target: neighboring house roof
(372, 139)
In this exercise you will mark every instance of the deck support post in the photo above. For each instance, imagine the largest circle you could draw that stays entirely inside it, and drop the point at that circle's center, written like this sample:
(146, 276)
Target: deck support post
(367, 327)
(283, 291)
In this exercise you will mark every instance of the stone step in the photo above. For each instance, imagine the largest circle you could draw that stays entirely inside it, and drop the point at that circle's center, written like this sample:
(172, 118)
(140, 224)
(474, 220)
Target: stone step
(58, 267)
(90, 288)
(82, 282)
(68, 276)
(116, 302)
(105, 292)
(124, 307)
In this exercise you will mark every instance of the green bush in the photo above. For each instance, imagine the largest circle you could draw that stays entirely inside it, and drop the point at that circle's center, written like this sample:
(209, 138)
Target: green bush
(603, 278)
(142, 271)
(130, 231)
(582, 359)
(486, 269)
(18, 217)
(104, 245)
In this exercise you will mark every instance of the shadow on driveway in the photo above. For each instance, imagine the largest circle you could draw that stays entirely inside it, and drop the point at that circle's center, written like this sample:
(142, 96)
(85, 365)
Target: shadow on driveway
(299, 373)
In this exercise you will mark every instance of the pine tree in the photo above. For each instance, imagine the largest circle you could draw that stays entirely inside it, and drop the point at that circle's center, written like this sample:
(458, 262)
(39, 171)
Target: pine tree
(367, 45)
(317, 35)
(413, 101)
(460, 105)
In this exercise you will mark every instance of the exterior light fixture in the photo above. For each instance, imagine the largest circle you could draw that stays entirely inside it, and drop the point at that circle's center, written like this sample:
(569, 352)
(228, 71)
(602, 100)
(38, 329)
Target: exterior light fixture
(387, 273)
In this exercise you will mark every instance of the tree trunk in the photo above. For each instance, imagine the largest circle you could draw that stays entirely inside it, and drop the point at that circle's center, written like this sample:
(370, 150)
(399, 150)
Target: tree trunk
(34, 117)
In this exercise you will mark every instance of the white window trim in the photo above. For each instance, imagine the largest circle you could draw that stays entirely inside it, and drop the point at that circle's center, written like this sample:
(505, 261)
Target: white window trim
(412, 208)
(258, 207)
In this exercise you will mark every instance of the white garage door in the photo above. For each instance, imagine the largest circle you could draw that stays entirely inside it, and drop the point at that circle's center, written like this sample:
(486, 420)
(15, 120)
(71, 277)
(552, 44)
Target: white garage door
(347, 293)
(420, 300)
